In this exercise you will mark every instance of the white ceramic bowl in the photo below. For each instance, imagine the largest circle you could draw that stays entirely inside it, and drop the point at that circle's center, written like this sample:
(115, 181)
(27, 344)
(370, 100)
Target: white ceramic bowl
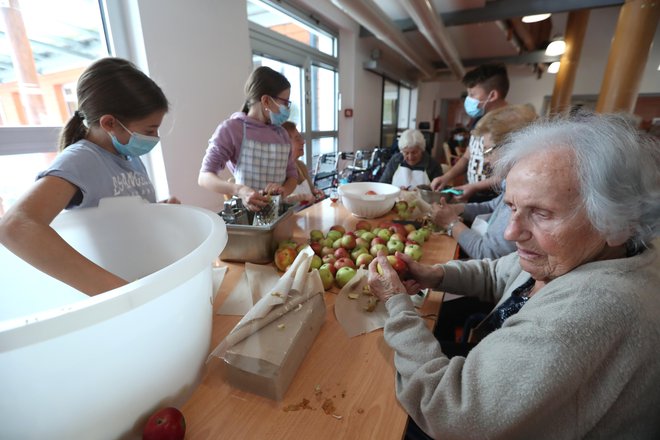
(79, 367)
(354, 196)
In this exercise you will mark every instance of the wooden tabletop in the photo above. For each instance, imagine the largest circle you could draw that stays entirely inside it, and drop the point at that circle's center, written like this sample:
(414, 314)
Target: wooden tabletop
(348, 383)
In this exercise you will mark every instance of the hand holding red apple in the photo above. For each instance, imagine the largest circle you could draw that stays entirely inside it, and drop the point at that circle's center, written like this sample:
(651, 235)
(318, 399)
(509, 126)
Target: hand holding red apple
(383, 280)
(425, 275)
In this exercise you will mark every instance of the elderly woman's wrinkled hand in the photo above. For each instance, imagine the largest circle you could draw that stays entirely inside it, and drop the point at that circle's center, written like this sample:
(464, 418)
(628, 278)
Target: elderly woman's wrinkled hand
(442, 213)
(384, 283)
(424, 275)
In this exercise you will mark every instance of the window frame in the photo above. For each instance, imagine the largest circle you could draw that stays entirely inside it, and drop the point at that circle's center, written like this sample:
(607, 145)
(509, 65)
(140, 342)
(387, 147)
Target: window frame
(44, 139)
(270, 44)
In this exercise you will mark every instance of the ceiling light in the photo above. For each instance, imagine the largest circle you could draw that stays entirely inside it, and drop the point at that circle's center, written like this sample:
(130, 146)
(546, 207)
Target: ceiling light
(534, 18)
(555, 48)
(553, 67)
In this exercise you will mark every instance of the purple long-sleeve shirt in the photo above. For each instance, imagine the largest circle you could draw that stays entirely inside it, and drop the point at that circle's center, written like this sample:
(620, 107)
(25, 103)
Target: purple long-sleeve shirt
(225, 145)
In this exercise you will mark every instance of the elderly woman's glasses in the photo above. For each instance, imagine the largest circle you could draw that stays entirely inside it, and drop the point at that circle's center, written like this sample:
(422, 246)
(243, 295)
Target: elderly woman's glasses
(283, 101)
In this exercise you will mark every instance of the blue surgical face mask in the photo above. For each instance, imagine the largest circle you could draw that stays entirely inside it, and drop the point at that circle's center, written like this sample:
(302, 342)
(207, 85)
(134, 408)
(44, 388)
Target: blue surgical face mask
(281, 117)
(472, 108)
(137, 145)
(458, 138)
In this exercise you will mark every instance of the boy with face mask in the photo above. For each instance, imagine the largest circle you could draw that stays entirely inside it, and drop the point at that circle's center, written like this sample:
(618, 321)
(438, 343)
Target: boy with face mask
(487, 86)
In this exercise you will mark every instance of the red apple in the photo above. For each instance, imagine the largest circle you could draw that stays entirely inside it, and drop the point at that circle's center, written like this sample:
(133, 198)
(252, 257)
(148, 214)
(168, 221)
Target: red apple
(165, 424)
(284, 257)
(344, 275)
(378, 240)
(341, 253)
(344, 262)
(385, 224)
(397, 228)
(329, 258)
(348, 242)
(398, 237)
(371, 192)
(339, 228)
(364, 225)
(316, 247)
(398, 264)
(329, 266)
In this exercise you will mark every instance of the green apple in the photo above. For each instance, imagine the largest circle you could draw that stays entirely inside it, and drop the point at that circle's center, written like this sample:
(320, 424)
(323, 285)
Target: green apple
(414, 251)
(394, 245)
(316, 235)
(334, 235)
(327, 278)
(344, 275)
(368, 236)
(363, 260)
(316, 262)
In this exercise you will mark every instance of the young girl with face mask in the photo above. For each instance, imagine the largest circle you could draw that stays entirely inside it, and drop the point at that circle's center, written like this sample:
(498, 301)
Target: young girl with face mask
(253, 144)
(119, 112)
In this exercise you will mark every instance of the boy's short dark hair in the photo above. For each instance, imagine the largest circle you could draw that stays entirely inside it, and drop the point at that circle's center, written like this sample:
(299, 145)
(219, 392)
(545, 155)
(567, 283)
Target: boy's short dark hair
(490, 77)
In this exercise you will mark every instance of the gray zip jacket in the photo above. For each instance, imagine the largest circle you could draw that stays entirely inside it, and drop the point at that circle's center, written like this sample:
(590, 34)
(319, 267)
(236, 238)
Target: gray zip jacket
(579, 360)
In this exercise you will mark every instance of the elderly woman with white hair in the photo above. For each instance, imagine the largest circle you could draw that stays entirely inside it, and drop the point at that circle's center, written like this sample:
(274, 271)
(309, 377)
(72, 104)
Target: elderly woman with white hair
(571, 349)
(412, 166)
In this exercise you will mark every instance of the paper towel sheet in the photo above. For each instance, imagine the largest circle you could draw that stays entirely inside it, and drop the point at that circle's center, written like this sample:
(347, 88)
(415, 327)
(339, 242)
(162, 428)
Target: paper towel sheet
(351, 313)
(218, 276)
(256, 281)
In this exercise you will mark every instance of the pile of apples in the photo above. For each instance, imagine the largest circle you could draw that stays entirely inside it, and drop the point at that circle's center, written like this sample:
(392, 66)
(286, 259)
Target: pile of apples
(338, 253)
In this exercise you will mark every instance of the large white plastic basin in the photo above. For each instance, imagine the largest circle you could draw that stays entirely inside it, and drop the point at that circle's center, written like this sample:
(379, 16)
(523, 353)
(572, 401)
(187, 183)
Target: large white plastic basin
(79, 367)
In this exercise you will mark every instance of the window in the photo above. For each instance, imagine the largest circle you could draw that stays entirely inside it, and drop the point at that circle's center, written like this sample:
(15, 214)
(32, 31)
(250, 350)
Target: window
(285, 39)
(47, 46)
(397, 115)
(272, 16)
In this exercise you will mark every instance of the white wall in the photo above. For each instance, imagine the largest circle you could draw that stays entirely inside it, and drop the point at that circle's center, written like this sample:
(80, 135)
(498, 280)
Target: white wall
(201, 57)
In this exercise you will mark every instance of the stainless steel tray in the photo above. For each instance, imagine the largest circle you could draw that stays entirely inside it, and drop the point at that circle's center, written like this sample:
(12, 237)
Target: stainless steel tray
(257, 244)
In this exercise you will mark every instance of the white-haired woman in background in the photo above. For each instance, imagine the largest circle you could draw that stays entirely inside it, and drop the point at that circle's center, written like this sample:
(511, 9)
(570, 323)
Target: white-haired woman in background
(412, 166)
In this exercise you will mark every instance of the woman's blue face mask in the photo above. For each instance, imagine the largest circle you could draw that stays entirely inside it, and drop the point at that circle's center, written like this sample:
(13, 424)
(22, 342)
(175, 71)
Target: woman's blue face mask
(283, 113)
(137, 145)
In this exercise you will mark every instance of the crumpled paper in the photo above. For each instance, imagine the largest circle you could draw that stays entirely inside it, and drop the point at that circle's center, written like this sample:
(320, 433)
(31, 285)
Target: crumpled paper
(296, 286)
(352, 304)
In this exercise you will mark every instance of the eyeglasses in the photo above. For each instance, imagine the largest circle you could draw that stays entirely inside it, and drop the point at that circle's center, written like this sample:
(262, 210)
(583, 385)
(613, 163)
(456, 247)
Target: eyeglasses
(286, 102)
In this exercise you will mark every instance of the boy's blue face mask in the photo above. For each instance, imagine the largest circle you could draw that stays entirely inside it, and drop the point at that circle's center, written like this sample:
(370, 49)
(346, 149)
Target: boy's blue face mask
(472, 108)
(137, 145)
